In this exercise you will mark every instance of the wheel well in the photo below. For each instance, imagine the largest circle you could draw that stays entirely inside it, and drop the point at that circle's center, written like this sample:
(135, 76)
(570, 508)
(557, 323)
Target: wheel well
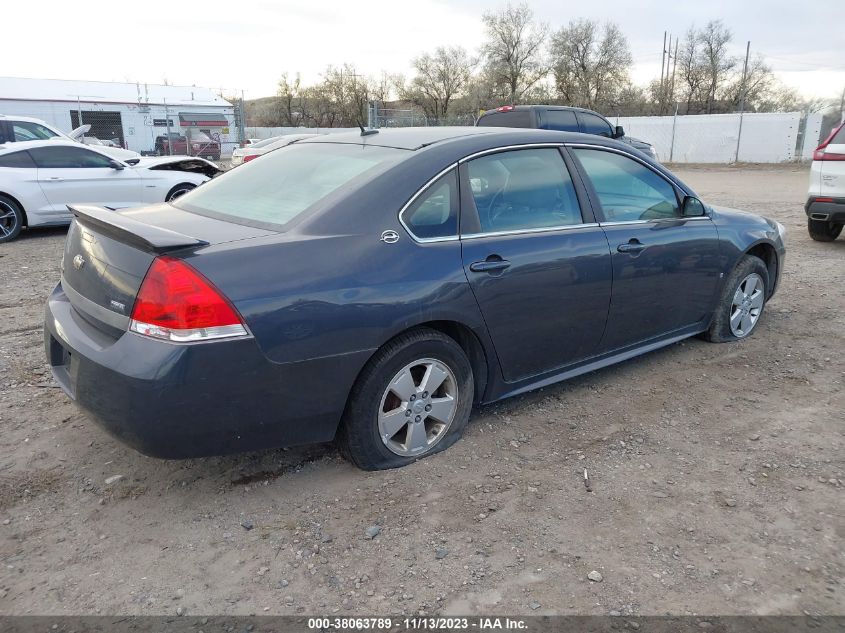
(175, 187)
(472, 347)
(767, 253)
(17, 202)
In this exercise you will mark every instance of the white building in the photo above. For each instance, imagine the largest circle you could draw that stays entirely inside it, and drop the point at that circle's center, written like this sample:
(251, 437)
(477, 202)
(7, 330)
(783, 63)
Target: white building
(132, 113)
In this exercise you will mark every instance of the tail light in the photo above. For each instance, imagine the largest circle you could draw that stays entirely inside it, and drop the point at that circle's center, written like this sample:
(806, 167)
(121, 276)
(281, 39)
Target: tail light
(821, 154)
(250, 157)
(176, 303)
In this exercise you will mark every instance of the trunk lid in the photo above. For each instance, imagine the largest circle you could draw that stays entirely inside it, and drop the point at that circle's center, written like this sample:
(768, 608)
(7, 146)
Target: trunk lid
(107, 254)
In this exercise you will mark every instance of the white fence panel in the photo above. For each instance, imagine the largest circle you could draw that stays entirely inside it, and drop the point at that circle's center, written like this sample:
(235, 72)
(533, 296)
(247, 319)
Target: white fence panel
(712, 138)
(812, 135)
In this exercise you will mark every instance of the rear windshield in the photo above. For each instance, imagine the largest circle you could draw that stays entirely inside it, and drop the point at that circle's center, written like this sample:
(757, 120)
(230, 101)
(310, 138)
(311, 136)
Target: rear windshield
(839, 137)
(264, 142)
(282, 185)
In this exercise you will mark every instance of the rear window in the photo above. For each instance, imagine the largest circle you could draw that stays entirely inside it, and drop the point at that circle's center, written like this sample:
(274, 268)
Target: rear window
(286, 183)
(264, 142)
(17, 160)
(514, 118)
(839, 137)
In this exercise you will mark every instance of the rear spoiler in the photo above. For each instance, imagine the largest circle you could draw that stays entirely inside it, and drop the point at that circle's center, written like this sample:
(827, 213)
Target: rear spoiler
(123, 228)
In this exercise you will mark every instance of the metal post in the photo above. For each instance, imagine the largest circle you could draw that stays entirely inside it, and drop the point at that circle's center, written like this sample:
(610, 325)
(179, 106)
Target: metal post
(242, 125)
(167, 123)
(742, 100)
(672, 144)
(79, 112)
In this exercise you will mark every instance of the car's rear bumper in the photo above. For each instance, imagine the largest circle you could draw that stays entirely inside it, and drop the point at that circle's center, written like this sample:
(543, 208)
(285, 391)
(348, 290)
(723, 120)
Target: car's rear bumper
(826, 209)
(190, 400)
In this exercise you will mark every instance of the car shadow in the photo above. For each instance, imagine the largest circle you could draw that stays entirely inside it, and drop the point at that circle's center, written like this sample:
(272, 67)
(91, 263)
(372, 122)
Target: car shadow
(40, 232)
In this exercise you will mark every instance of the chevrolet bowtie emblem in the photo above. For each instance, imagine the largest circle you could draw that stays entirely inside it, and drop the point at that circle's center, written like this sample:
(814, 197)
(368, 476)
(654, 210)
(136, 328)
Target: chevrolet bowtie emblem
(78, 262)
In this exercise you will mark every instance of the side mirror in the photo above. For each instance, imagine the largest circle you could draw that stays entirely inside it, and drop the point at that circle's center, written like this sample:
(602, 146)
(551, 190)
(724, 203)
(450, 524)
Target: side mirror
(115, 165)
(619, 132)
(693, 207)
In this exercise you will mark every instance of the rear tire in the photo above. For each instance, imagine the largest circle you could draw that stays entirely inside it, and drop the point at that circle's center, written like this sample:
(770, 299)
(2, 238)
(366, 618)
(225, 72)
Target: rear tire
(11, 219)
(382, 428)
(823, 230)
(741, 303)
(179, 190)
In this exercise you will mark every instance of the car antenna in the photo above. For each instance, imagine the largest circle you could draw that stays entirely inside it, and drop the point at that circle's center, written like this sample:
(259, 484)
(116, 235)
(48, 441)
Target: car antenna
(365, 132)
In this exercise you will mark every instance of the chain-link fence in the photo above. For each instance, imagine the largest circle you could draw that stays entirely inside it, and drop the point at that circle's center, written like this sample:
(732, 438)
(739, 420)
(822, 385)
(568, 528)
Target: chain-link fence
(393, 117)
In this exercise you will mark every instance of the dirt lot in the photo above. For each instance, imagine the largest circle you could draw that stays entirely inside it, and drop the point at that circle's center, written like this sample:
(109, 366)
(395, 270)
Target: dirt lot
(717, 481)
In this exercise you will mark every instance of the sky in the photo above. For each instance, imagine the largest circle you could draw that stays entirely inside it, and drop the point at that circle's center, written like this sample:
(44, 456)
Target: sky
(247, 45)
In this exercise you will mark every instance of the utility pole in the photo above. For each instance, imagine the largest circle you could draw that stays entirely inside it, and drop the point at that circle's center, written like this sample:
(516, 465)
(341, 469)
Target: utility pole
(662, 60)
(674, 67)
(742, 99)
(842, 107)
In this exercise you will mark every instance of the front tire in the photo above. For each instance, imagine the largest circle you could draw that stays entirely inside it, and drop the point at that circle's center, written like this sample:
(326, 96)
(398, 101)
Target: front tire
(179, 190)
(412, 399)
(11, 219)
(823, 230)
(741, 303)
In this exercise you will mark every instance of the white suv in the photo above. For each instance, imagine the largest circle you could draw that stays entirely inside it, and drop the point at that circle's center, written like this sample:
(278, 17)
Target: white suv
(23, 128)
(826, 199)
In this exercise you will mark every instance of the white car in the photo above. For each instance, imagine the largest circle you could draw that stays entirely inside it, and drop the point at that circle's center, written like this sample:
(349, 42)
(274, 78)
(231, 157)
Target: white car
(23, 128)
(245, 154)
(38, 179)
(825, 206)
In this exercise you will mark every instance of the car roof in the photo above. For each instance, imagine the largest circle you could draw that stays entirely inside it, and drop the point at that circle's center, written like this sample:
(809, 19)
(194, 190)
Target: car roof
(29, 119)
(410, 138)
(543, 107)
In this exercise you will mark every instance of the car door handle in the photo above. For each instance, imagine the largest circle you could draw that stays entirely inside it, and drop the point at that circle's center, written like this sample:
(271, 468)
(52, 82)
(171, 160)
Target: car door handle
(633, 247)
(489, 265)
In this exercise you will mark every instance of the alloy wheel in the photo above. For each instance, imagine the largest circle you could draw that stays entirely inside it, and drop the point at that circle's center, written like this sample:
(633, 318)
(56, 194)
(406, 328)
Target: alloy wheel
(8, 220)
(747, 305)
(418, 407)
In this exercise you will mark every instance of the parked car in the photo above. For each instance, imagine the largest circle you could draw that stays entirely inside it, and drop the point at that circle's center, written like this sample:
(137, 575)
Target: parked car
(562, 118)
(177, 144)
(373, 287)
(38, 179)
(101, 143)
(240, 156)
(825, 206)
(15, 129)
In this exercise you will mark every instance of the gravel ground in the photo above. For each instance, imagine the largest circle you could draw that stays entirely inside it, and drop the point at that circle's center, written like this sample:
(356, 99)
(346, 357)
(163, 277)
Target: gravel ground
(716, 474)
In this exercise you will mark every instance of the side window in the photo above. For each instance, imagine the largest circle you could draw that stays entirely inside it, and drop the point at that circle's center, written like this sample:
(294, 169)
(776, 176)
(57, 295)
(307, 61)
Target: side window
(563, 120)
(27, 131)
(592, 124)
(64, 156)
(627, 189)
(3, 138)
(511, 118)
(435, 212)
(523, 189)
(17, 160)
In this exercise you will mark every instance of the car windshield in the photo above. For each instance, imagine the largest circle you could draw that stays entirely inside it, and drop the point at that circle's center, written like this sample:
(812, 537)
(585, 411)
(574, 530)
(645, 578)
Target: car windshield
(200, 137)
(284, 184)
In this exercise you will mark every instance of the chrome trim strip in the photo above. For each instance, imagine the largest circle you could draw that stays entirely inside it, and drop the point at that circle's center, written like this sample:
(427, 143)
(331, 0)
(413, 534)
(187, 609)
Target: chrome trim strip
(420, 191)
(84, 304)
(506, 148)
(546, 229)
(696, 218)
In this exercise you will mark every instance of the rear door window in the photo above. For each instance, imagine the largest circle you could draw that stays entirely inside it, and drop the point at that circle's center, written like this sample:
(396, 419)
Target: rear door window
(18, 160)
(28, 131)
(592, 124)
(523, 189)
(563, 120)
(513, 118)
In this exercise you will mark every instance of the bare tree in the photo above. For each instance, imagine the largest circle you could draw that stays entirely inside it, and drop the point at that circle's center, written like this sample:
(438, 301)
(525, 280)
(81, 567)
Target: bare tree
(691, 70)
(590, 63)
(291, 108)
(440, 78)
(714, 39)
(513, 49)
